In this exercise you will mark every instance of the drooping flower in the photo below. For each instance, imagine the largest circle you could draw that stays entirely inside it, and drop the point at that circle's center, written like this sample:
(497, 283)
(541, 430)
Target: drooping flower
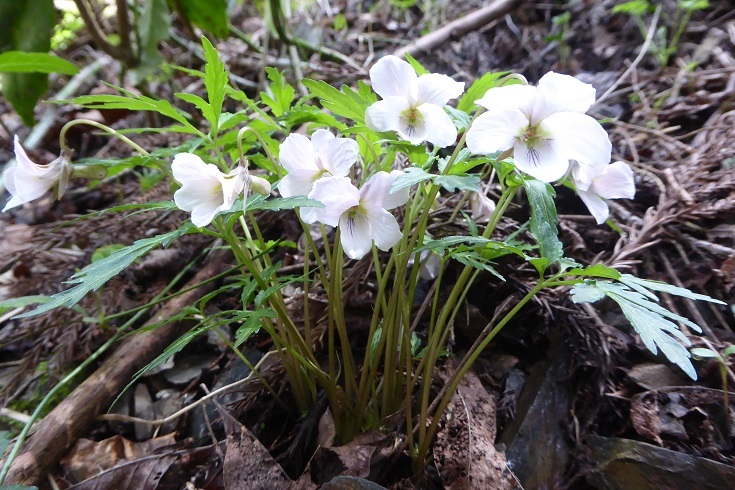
(308, 161)
(205, 190)
(28, 181)
(614, 181)
(412, 105)
(546, 126)
(361, 214)
(482, 207)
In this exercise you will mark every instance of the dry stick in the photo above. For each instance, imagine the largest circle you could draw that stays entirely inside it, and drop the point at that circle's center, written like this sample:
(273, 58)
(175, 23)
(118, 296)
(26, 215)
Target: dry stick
(72, 417)
(455, 29)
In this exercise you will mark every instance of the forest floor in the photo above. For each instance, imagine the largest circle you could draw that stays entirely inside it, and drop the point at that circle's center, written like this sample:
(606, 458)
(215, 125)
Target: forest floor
(566, 397)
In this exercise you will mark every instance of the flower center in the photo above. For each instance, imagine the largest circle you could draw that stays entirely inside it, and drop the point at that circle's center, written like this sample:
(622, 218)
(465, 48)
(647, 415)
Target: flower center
(531, 137)
(410, 119)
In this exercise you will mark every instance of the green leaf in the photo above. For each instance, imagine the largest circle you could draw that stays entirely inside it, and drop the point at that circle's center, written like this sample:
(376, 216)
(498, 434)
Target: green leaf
(106, 251)
(460, 119)
(215, 81)
(652, 322)
(597, 270)
(543, 220)
(636, 283)
(283, 93)
(704, 353)
(729, 351)
(346, 103)
(95, 275)
(134, 102)
(634, 7)
(586, 292)
(22, 62)
(477, 90)
(418, 67)
(152, 25)
(279, 203)
(410, 176)
(209, 15)
(252, 324)
(12, 303)
(25, 26)
(462, 182)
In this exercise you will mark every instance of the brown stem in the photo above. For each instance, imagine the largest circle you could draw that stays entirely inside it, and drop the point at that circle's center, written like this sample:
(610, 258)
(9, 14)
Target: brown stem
(123, 26)
(95, 31)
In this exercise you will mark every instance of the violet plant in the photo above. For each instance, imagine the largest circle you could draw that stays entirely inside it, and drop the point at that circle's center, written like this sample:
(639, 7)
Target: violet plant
(364, 176)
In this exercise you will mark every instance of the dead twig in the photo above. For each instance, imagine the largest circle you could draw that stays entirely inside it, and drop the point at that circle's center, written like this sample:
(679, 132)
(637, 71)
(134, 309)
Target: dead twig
(455, 29)
(68, 421)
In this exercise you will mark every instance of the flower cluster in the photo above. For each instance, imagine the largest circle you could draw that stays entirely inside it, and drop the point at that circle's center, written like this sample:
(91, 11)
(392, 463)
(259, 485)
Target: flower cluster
(319, 169)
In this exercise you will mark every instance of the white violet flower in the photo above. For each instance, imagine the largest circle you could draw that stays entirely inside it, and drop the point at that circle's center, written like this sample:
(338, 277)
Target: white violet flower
(546, 126)
(205, 189)
(362, 215)
(27, 181)
(482, 207)
(614, 181)
(308, 161)
(412, 105)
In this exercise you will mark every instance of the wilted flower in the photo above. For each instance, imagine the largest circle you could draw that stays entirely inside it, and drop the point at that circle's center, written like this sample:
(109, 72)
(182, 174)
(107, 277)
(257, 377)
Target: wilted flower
(412, 105)
(205, 190)
(28, 181)
(362, 215)
(482, 207)
(613, 181)
(545, 126)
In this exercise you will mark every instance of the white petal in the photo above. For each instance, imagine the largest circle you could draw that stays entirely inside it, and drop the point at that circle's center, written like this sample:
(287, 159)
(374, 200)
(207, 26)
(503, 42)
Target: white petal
(385, 115)
(438, 127)
(583, 174)
(188, 168)
(496, 131)
(299, 182)
(437, 89)
(25, 164)
(355, 235)
(596, 205)
(542, 161)
(320, 139)
(616, 182)
(520, 97)
(579, 137)
(297, 152)
(391, 76)
(337, 194)
(562, 93)
(232, 186)
(203, 202)
(339, 155)
(384, 228)
(202, 215)
(376, 191)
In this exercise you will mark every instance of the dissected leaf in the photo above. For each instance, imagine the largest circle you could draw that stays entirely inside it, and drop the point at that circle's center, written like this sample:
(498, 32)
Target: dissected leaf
(346, 103)
(215, 81)
(95, 275)
(477, 90)
(283, 93)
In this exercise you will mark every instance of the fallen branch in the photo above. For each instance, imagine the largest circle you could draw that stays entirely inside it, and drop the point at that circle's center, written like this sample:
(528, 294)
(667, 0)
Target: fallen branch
(458, 28)
(60, 429)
